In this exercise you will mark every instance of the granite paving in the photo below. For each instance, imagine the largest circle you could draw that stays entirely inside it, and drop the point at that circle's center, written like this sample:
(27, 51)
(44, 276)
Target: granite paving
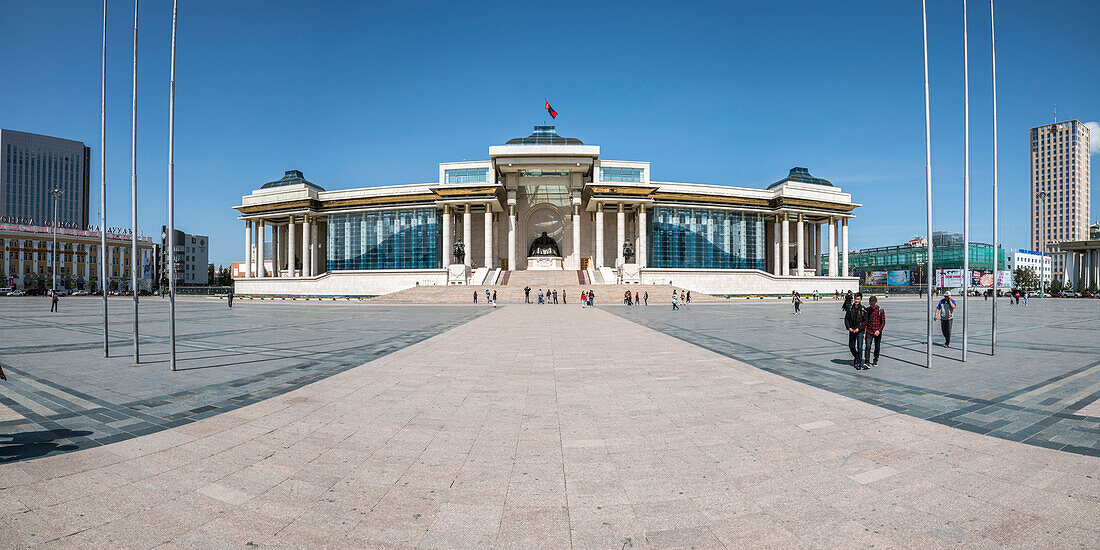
(66, 396)
(1040, 388)
(555, 427)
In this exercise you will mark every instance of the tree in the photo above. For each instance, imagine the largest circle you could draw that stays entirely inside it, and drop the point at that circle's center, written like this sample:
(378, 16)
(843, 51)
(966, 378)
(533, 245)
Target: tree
(1056, 285)
(30, 281)
(210, 274)
(1024, 278)
(92, 284)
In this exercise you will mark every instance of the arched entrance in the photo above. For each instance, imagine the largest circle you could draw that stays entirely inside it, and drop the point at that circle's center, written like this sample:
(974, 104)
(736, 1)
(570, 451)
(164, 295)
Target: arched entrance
(544, 218)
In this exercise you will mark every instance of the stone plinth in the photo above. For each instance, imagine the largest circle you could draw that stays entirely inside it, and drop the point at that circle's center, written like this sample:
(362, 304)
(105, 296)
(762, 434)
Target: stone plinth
(544, 262)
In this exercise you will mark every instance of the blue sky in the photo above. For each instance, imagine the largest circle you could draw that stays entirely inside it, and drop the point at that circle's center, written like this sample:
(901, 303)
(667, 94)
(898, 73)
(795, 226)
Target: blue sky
(360, 94)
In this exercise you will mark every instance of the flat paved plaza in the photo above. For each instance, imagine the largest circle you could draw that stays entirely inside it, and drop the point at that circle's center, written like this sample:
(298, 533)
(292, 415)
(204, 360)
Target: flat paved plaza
(559, 427)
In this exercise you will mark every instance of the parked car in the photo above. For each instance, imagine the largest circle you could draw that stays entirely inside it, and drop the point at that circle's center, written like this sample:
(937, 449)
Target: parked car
(1070, 294)
(1087, 294)
(80, 293)
(17, 293)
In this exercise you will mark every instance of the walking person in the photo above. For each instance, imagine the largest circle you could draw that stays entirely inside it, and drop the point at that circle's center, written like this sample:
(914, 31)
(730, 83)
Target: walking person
(591, 299)
(540, 297)
(675, 304)
(689, 297)
(946, 309)
(796, 299)
(584, 299)
(527, 294)
(1025, 298)
(563, 297)
(876, 321)
(555, 296)
(847, 301)
(53, 301)
(494, 298)
(230, 296)
(645, 298)
(487, 300)
(475, 296)
(855, 321)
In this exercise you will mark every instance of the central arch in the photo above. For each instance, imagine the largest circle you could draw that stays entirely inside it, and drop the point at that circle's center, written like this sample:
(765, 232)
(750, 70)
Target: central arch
(543, 217)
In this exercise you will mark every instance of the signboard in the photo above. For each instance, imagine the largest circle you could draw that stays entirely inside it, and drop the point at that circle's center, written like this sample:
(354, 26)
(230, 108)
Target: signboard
(949, 278)
(876, 278)
(898, 278)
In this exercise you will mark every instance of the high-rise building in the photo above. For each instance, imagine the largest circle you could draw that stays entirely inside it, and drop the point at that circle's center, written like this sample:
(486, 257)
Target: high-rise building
(192, 258)
(1059, 188)
(32, 166)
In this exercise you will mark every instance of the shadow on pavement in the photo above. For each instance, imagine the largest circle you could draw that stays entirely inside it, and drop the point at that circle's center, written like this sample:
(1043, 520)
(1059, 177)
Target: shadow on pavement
(24, 445)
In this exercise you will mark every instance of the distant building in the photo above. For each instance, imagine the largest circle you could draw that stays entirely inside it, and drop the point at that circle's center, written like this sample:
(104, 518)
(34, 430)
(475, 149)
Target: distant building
(917, 241)
(192, 257)
(1059, 186)
(946, 238)
(1094, 232)
(26, 258)
(872, 265)
(31, 166)
(1036, 261)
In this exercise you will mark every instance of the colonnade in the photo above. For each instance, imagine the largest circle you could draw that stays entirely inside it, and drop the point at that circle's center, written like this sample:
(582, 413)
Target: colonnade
(300, 256)
(808, 246)
(1082, 268)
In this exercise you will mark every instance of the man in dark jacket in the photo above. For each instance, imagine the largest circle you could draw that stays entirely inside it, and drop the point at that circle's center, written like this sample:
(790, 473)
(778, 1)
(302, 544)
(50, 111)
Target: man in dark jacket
(876, 321)
(855, 321)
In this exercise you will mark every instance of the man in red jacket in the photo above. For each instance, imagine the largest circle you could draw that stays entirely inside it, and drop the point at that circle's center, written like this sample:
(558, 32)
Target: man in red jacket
(876, 321)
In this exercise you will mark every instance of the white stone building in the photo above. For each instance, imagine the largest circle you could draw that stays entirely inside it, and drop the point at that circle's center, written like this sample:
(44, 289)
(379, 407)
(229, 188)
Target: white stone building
(545, 202)
(1038, 262)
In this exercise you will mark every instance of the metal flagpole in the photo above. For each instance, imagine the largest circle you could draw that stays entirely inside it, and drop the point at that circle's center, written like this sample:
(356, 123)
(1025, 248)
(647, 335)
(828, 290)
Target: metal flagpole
(171, 198)
(966, 183)
(133, 191)
(996, 249)
(928, 183)
(103, 183)
(56, 194)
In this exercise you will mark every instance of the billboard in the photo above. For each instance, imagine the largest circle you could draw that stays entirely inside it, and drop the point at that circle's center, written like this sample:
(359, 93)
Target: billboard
(898, 278)
(949, 278)
(876, 278)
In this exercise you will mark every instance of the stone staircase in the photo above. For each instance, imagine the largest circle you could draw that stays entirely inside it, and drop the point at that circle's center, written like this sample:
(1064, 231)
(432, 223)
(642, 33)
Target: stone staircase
(567, 281)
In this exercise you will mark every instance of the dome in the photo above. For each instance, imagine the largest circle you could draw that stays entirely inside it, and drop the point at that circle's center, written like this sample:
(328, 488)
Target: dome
(801, 175)
(544, 135)
(291, 177)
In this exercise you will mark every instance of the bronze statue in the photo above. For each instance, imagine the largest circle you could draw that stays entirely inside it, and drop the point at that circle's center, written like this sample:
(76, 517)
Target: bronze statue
(459, 252)
(544, 245)
(628, 252)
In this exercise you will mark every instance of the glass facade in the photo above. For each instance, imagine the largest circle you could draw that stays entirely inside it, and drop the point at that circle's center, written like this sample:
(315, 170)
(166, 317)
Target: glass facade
(384, 239)
(621, 174)
(706, 239)
(466, 175)
(892, 258)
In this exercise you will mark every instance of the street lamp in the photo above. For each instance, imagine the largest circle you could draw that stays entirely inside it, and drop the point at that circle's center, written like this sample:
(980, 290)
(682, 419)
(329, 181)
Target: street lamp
(1042, 234)
(56, 194)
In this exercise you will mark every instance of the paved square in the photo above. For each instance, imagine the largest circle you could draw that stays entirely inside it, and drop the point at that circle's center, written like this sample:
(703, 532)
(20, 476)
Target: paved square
(1036, 390)
(555, 427)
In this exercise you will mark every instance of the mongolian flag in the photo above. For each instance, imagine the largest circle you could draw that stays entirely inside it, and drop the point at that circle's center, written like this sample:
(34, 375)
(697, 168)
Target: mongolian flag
(549, 109)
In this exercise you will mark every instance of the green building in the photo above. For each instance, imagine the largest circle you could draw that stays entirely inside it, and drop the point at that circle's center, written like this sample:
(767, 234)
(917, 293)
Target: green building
(914, 259)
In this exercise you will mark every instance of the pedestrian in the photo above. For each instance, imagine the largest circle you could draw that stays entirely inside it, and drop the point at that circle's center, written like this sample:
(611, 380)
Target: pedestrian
(1025, 298)
(855, 322)
(487, 300)
(682, 297)
(847, 301)
(555, 296)
(946, 309)
(796, 299)
(675, 304)
(637, 300)
(540, 296)
(230, 296)
(494, 298)
(591, 298)
(645, 298)
(563, 297)
(527, 294)
(475, 296)
(876, 321)
(53, 301)
(689, 297)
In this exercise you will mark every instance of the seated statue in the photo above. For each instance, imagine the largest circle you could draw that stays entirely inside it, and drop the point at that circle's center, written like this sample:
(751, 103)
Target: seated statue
(628, 252)
(544, 245)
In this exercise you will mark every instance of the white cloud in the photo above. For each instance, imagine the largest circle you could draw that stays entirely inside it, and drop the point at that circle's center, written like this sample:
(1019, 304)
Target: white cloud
(1094, 141)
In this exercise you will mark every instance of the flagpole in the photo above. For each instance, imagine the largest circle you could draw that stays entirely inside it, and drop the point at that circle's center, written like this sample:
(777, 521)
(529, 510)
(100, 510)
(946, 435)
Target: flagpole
(996, 249)
(171, 198)
(966, 184)
(133, 191)
(928, 183)
(103, 183)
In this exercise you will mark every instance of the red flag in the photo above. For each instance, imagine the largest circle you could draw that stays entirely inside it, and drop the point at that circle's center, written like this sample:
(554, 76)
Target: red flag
(549, 109)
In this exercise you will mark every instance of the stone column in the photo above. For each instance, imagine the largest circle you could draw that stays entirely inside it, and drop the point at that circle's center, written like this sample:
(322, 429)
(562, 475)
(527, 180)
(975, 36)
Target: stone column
(467, 218)
(832, 248)
(640, 248)
(620, 234)
(844, 243)
(315, 267)
(511, 236)
(446, 240)
(599, 235)
(307, 267)
(489, 236)
(260, 253)
(275, 256)
(800, 244)
(247, 250)
(291, 247)
(776, 257)
(785, 244)
(576, 236)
